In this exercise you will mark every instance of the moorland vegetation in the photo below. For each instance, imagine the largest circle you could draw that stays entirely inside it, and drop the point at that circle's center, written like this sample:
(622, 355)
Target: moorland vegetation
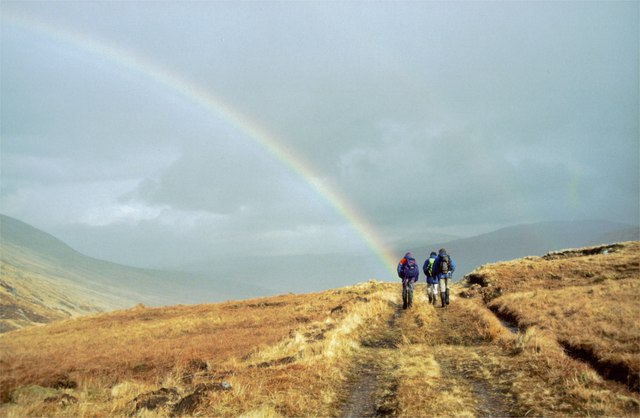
(541, 336)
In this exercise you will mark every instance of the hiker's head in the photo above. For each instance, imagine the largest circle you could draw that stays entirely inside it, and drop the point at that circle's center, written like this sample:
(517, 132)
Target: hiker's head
(408, 254)
(442, 251)
(433, 254)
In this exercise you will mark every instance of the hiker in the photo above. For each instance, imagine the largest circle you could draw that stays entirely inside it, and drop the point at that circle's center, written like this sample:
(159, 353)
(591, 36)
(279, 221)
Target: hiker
(409, 272)
(443, 268)
(432, 282)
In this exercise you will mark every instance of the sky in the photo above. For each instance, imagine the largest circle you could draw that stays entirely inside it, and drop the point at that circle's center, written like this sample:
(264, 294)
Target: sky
(162, 133)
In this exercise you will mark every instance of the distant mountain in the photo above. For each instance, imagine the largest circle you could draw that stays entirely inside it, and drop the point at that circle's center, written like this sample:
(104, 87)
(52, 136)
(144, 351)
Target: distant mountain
(417, 240)
(631, 233)
(43, 278)
(310, 273)
(530, 239)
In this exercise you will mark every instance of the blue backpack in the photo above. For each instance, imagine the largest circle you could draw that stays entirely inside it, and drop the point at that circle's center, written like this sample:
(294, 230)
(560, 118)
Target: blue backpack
(410, 269)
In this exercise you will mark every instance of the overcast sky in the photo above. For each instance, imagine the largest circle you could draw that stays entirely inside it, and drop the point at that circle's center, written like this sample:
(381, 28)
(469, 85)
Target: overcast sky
(428, 118)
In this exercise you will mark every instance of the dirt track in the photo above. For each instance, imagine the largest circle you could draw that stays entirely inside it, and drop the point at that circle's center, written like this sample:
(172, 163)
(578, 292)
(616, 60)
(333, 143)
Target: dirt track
(446, 336)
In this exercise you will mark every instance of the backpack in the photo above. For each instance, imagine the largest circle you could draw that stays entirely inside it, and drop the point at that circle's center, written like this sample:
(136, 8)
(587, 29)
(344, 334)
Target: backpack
(444, 264)
(430, 267)
(401, 268)
(410, 269)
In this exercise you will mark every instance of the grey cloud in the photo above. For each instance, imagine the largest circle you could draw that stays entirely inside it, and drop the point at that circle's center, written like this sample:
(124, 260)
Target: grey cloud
(421, 114)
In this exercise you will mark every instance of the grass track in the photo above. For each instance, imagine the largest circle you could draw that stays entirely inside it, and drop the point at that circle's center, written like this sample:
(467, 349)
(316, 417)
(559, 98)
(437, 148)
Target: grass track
(426, 361)
(462, 361)
(345, 352)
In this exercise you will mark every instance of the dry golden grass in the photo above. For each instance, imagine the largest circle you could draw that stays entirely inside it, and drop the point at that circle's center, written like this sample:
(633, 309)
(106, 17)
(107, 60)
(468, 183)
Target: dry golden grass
(307, 355)
(438, 371)
(579, 309)
(549, 382)
(598, 321)
(284, 355)
(588, 298)
(581, 267)
(462, 362)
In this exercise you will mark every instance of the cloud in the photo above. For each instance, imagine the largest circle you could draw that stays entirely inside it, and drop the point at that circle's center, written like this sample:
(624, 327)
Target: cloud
(423, 116)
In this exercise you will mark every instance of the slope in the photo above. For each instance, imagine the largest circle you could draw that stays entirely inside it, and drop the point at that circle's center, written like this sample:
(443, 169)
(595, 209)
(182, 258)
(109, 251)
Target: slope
(530, 239)
(587, 298)
(44, 279)
(341, 352)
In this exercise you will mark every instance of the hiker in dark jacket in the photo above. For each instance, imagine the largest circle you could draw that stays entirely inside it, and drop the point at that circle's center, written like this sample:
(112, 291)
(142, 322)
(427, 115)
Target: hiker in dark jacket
(432, 282)
(443, 268)
(409, 272)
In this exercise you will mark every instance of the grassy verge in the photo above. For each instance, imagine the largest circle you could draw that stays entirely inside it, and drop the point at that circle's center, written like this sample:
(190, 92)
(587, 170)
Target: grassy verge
(597, 324)
(577, 311)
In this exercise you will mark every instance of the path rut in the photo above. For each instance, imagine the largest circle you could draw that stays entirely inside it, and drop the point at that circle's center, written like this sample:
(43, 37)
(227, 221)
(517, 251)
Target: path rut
(362, 401)
(469, 367)
(444, 333)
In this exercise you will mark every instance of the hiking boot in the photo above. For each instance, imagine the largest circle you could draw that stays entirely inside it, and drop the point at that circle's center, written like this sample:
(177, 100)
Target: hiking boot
(446, 298)
(430, 298)
(442, 299)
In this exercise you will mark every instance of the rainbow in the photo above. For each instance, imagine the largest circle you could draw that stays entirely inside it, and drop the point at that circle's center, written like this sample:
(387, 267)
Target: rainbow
(211, 104)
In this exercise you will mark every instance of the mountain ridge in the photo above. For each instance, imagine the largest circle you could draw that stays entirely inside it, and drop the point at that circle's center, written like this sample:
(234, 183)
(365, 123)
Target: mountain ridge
(531, 239)
(325, 271)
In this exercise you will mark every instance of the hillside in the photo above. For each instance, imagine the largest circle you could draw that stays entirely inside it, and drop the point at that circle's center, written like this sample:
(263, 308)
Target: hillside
(588, 298)
(43, 279)
(530, 239)
(354, 351)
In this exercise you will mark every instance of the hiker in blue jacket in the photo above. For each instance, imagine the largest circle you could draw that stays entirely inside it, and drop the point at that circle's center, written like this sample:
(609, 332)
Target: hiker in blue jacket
(443, 268)
(432, 282)
(409, 272)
